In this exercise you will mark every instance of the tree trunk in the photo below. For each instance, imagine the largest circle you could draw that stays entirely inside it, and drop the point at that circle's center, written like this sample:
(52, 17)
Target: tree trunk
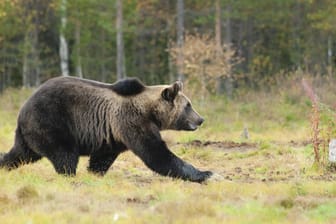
(218, 37)
(170, 67)
(31, 61)
(250, 43)
(79, 71)
(228, 81)
(296, 32)
(103, 60)
(63, 51)
(218, 27)
(36, 59)
(330, 56)
(180, 33)
(3, 71)
(31, 56)
(25, 66)
(120, 45)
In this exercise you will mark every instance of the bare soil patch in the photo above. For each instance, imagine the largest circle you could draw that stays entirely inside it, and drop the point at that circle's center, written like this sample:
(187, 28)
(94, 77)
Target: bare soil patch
(222, 145)
(293, 143)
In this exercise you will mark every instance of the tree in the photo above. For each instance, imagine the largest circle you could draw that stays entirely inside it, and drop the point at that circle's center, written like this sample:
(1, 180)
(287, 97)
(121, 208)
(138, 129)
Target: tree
(121, 73)
(31, 55)
(203, 62)
(63, 50)
(228, 81)
(79, 71)
(324, 21)
(180, 36)
(10, 54)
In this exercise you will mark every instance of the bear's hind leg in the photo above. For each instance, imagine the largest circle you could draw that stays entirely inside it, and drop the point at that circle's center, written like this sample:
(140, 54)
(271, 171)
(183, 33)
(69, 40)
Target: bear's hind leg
(57, 148)
(64, 162)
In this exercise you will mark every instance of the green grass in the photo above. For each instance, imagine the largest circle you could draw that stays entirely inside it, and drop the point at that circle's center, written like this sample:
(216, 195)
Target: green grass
(270, 181)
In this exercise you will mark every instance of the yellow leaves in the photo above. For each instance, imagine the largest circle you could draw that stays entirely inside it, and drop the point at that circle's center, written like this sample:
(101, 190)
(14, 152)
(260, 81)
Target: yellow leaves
(203, 57)
(204, 61)
(261, 63)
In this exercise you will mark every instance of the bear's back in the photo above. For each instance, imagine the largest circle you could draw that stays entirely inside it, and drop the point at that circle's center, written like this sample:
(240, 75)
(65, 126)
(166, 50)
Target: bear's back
(125, 87)
(63, 95)
(70, 93)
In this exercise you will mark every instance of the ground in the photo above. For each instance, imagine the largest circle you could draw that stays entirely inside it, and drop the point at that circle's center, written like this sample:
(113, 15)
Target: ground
(268, 178)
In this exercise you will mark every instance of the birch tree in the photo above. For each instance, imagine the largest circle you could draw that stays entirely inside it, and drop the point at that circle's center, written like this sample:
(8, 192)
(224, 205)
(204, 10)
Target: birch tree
(79, 71)
(218, 37)
(63, 50)
(228, 81)
(180, 33)
(121, 73)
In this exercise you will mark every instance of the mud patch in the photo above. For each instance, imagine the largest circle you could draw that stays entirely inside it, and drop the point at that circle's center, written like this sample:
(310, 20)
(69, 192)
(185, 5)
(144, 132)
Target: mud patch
(293, 143)
(138, 200)
(222, 145)
(328, 177)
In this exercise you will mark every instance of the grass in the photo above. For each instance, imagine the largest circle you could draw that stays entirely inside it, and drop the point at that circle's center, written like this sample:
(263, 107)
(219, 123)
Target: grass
(265, 179)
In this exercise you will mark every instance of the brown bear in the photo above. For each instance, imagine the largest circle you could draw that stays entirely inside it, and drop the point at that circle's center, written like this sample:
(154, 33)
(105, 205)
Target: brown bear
(68, 117)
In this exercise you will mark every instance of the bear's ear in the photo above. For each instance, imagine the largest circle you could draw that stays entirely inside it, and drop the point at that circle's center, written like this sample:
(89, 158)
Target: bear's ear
(171, 92)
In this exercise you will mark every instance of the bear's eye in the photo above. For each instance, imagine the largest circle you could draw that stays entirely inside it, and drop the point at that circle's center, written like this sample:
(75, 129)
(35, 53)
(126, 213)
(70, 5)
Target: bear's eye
(188, 104)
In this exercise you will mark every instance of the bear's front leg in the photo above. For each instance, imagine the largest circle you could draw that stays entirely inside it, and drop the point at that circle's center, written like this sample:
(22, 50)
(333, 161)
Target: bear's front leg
(155, 154)
(102, 158)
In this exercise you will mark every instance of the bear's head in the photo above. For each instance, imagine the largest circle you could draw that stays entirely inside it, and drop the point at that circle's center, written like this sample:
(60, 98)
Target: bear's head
(174, 110)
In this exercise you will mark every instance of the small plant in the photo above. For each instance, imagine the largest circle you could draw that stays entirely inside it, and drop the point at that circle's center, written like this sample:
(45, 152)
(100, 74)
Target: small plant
(314, 119)
(323, 126)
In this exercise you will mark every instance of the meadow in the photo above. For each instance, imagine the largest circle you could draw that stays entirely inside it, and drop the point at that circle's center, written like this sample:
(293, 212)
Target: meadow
(268, 177)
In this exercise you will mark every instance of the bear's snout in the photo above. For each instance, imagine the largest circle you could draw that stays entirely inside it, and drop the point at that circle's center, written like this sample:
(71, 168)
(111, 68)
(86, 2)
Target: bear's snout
(192, 126)
(200, 121)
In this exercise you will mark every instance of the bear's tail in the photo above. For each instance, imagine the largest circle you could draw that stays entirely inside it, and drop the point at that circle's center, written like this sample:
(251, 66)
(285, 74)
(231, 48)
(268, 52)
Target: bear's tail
(19, 154)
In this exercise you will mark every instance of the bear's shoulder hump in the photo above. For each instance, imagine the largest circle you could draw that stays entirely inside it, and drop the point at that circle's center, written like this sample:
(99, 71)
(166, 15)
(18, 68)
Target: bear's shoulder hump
(128, 87)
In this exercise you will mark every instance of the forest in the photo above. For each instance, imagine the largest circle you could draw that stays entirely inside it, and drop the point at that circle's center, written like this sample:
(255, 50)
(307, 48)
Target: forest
(110, 39)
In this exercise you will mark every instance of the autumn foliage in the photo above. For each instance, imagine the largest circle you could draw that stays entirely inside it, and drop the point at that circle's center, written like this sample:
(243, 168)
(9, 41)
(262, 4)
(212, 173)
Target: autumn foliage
(204, 63)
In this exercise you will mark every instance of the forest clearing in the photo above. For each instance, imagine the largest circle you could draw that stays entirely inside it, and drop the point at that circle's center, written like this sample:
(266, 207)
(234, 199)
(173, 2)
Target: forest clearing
(268, 177)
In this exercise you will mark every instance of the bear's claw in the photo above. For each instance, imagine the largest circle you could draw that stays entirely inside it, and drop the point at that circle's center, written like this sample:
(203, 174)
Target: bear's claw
(203, 176)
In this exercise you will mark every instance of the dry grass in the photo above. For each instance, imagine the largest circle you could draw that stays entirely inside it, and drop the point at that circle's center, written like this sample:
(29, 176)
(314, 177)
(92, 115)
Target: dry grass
(265, 179)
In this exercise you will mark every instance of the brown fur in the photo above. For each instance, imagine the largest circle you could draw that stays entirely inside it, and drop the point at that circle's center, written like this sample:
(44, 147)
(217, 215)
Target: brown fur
(69, 117)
